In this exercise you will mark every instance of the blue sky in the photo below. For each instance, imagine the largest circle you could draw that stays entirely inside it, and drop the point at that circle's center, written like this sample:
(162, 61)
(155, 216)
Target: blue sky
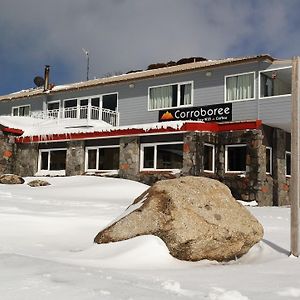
(123, 35)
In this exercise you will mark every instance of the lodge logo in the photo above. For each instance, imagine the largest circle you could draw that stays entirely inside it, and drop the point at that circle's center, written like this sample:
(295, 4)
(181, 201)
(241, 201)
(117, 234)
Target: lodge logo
(167, 116)
(208, 113)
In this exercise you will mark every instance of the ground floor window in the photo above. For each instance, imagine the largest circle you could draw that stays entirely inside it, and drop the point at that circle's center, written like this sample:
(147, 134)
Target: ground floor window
(162, 156)
(104, 158)
(268, 160)
(52, 160)
(288, 163)
(209, 158)
(235, 158)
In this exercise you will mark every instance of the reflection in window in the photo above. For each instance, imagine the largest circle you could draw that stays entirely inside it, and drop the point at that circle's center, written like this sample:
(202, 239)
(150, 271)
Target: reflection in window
(209, 158)
(235, 158)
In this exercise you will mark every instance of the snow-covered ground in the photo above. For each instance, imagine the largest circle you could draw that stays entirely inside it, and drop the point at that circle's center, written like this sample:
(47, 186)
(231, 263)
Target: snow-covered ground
(47, 250)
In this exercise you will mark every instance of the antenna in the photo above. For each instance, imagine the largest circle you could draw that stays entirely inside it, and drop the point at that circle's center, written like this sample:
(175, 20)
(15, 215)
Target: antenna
(86, 52)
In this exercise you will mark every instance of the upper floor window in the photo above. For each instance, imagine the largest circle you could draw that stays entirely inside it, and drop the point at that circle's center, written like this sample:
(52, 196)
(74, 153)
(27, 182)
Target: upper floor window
(168, 96)
(239, 87)
(275, 82)
(21, 110)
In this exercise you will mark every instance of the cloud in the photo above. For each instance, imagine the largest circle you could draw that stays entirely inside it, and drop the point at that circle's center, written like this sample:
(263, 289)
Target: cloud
(122, 35)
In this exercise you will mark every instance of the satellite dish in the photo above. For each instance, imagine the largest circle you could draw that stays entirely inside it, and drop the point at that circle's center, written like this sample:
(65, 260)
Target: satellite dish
(38, 81)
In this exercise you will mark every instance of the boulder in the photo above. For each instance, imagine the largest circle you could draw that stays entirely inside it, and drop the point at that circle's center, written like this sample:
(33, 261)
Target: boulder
(11, 179)
(196, 217)
(38, 182)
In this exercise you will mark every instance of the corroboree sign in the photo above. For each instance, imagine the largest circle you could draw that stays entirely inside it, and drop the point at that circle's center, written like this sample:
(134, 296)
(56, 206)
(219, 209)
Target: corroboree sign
(208, 113)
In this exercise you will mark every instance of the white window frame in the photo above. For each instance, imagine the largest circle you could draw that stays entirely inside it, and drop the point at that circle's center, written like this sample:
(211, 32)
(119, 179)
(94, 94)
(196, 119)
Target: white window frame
(178, 95)
(259, 84)
(155, 155)
(213, 158)
(48, 171)
(288, 153)
(97, 157)
(18, 107)
(226, 158)
(239, 100)
(271, 160)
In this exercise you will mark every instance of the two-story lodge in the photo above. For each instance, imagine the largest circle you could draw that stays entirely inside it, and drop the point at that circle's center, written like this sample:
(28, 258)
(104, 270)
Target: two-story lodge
(228, 119)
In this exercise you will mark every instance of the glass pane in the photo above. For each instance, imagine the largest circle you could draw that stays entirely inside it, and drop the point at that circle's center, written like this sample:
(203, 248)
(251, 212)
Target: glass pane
(92, 157)
(288, 163)
(15, 111)
(96, 102)
(162, 97)
(108, 158)
(185, 94)
(44, 160)
(148, 157)
(240, 87)
(54, 105)
(83, 108)
(70, 103)
(169, 156)
(236, 158)
(276, 83)
(109, 102)
(58, 160)
(268, 161)
(208, 157)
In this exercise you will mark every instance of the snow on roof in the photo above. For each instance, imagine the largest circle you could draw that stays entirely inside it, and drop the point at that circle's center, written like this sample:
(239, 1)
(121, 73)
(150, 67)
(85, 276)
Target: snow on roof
(38, 127)
(136, 76)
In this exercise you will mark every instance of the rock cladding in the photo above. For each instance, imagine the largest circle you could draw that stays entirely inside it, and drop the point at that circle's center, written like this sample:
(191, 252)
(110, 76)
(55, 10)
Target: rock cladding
(196, 217)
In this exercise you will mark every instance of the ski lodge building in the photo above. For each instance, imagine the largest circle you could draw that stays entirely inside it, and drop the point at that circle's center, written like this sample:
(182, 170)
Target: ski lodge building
(228, 119)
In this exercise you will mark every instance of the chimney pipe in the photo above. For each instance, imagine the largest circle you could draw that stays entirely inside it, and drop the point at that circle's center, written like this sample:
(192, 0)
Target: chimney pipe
(46, 78)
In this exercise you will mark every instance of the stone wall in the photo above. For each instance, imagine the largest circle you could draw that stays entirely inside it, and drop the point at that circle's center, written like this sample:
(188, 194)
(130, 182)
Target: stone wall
(75, 160)
(6, 154)
(26, 159)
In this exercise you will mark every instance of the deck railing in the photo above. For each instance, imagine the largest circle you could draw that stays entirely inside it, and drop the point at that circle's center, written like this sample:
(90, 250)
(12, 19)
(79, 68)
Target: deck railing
(83, 112)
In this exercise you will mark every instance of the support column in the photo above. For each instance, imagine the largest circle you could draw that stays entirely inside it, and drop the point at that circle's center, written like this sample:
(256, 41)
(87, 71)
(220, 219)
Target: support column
(75, 160)
(191, 164)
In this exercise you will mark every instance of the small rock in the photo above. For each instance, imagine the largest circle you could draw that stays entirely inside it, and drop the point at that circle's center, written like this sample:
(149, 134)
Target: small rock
(38, 182)
(11, 179)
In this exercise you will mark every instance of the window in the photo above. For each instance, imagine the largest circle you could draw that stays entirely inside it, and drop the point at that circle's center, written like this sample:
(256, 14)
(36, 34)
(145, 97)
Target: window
(21, 110)
(105, 158)
(275, 82)
(287, 163)
(209, 158)
(268, 160)
(168, 96)
(235, 158)
(53, 109)
(161, 156)
(52, 160)
(239, 87)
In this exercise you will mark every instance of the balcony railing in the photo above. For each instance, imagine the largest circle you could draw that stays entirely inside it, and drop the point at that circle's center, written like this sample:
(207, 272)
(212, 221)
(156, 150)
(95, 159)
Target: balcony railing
(83, 112)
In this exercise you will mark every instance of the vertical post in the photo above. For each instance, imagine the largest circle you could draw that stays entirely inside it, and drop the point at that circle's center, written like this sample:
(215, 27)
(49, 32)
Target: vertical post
(295, 163)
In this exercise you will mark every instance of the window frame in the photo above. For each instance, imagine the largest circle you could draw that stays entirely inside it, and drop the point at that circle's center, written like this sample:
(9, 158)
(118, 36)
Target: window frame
(271, 160)
(18, 107)
(155, 155)
(226, 158)
(213, 157)
(48, 171)
(259, 83)
(286, 154)
(97, 158)
(178, 95)
(239, 100)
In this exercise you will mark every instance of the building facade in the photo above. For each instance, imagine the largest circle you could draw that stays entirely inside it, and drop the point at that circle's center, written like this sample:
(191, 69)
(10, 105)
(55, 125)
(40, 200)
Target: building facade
(227, 119)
